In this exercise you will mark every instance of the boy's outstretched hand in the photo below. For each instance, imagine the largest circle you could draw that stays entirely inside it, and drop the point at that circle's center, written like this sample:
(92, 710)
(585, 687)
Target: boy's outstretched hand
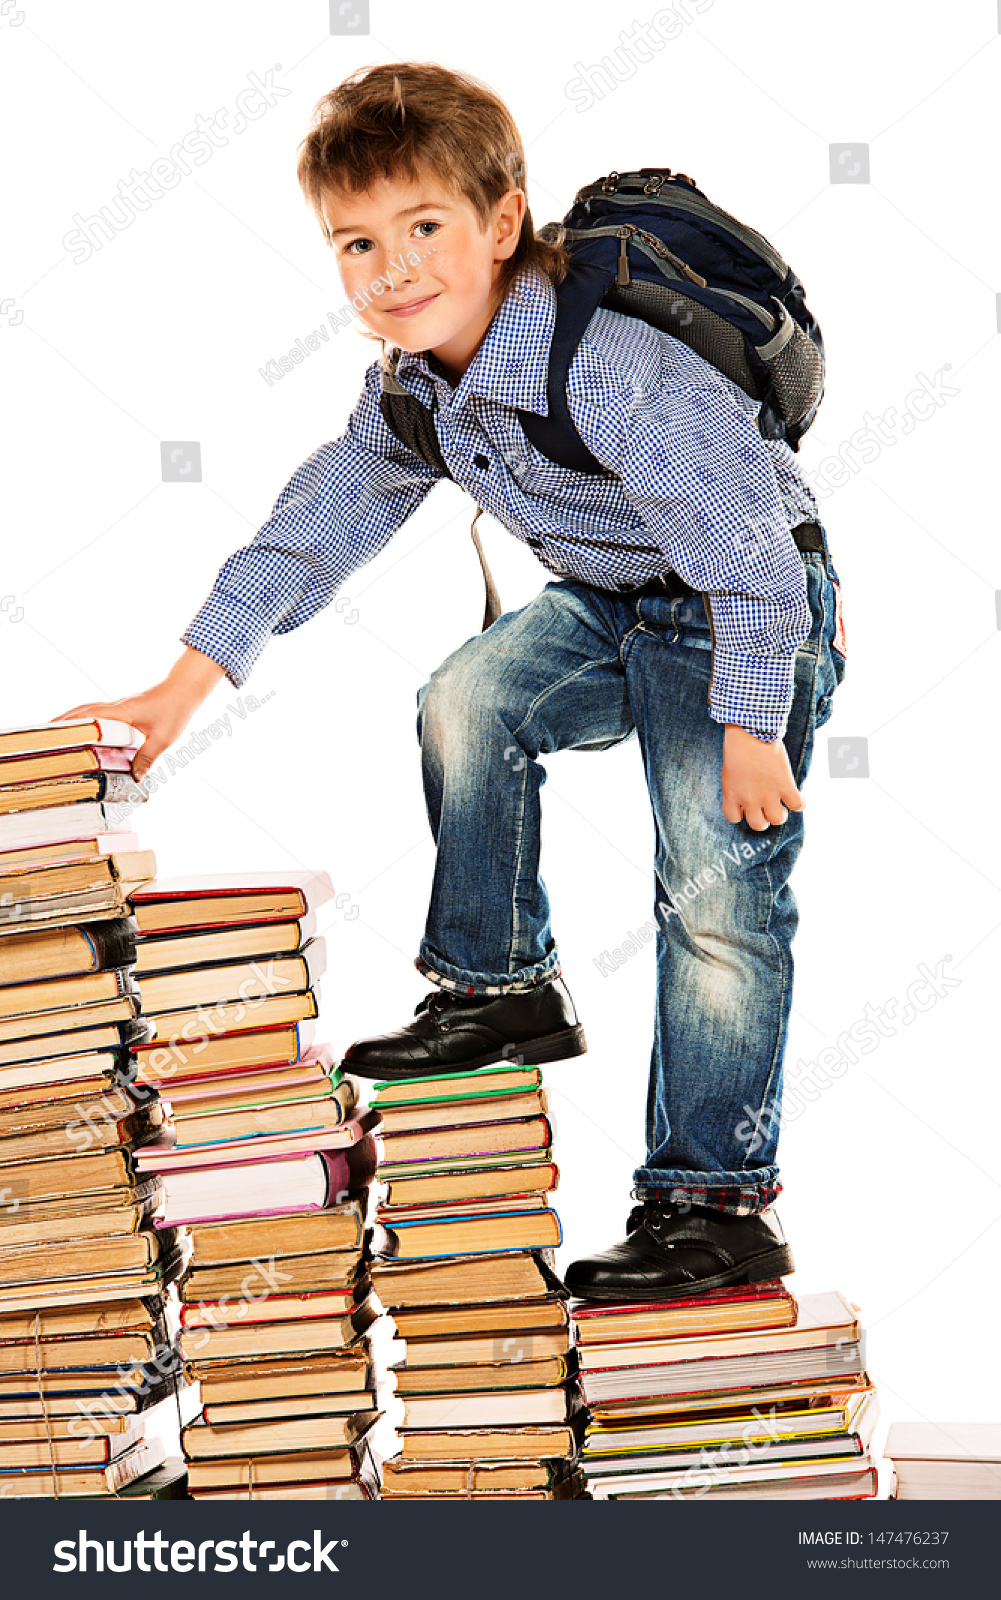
(757, 779)
(162, 712)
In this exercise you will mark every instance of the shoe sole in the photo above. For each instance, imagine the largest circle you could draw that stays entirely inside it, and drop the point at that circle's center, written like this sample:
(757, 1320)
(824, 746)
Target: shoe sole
(775, 1264)
(531, 1053)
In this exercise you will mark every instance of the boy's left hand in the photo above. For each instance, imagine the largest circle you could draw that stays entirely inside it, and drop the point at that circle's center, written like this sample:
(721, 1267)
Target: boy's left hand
(757, 779)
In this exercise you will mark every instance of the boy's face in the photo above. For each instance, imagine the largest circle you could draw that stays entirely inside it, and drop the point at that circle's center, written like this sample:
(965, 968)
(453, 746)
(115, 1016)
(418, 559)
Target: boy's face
(417, 265)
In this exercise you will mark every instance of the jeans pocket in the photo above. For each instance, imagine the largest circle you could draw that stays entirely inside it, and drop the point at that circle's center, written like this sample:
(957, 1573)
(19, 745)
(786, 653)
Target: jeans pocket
(815, 677)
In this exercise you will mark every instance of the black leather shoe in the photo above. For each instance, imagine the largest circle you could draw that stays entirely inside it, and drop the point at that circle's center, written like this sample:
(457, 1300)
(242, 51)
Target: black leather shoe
(453, 1032)
(670, 1253)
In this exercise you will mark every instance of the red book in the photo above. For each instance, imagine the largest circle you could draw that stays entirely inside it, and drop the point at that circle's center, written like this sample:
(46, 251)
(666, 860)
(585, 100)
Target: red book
(29, 738)
(228, 899)
(746, 1307)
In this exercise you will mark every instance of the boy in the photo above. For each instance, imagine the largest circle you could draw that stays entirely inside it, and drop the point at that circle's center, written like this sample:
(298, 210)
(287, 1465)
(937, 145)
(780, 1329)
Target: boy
(657, 626)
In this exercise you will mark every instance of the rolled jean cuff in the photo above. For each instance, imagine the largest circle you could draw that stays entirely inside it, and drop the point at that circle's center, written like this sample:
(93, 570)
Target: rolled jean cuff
(737, 1194)
(462, 981)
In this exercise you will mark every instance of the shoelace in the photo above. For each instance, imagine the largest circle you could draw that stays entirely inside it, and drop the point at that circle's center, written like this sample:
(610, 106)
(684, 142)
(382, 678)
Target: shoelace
(438, 1000)
(425, 1003)
(648, 1208)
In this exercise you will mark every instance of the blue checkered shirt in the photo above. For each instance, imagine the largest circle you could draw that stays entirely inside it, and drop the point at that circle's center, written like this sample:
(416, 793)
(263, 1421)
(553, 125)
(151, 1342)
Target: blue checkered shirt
(696, 488)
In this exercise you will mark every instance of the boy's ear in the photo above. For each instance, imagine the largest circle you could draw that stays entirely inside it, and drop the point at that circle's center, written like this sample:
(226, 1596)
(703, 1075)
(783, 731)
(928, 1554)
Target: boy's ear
(508, 220)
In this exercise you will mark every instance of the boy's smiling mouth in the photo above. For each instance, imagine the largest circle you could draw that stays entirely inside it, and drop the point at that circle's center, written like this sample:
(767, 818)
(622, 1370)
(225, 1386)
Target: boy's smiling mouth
(410, 308)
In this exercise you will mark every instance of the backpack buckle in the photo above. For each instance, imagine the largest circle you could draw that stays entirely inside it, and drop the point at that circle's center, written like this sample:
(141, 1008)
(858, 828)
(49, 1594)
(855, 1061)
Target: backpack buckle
(654, 184)
(611, 183)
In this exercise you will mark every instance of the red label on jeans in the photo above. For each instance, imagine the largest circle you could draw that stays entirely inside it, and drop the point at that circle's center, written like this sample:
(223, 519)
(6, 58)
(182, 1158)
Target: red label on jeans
(838, 642)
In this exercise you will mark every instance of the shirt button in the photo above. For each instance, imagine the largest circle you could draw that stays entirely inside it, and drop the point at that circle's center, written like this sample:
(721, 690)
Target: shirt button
(480, 461)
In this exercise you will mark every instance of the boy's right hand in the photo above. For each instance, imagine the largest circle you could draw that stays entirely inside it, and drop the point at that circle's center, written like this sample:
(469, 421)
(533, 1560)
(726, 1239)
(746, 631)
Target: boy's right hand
(162, 712)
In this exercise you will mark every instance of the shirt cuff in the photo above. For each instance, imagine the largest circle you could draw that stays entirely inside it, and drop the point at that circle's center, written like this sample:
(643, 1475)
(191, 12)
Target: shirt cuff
(230, 633)
(754, 691)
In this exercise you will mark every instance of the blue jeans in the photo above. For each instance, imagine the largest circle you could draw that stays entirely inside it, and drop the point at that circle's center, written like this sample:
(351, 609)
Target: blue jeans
(585, 668)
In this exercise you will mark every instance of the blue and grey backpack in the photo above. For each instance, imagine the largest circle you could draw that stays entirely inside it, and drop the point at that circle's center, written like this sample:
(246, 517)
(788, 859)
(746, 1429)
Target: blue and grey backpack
(650, 245)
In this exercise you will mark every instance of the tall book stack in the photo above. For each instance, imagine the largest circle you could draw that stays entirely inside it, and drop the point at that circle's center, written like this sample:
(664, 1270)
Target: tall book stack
(491, 1407)
(270, 1166)
(736, 1394)
(84, 1277)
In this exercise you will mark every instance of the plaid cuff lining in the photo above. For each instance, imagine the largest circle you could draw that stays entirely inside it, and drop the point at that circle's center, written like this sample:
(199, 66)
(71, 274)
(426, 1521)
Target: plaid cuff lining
(735, 1202)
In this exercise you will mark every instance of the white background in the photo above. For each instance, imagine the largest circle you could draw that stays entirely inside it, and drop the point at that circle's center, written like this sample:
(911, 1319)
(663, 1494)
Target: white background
(893, 1187)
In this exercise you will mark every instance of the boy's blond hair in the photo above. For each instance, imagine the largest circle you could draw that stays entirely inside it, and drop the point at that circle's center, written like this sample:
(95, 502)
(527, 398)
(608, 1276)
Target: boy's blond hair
(411, 119)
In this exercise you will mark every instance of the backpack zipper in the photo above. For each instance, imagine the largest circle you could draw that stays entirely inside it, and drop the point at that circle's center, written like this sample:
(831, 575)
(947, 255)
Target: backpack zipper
(624, 234)
(705, 209)
(764, 317)
(622, 268)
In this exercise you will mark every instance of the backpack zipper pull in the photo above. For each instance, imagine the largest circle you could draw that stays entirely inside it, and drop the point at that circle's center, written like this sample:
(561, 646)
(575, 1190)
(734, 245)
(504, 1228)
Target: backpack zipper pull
(622, 269)
(661, 249)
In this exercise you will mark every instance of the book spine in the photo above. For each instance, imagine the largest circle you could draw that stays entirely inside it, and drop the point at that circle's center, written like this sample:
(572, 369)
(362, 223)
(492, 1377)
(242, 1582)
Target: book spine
(338, 1175)
(112, 943)
(314, 958)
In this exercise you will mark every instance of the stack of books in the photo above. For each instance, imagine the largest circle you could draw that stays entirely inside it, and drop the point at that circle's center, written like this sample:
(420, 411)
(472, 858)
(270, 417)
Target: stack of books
(945, 1460)
(270, 1166)
(65, 792)
(84, 1344)
(490, 1403)
(735, 1394)
(77, 1385)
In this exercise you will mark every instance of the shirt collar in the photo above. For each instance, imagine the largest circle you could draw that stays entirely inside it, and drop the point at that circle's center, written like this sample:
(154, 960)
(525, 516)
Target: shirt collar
(511, 366)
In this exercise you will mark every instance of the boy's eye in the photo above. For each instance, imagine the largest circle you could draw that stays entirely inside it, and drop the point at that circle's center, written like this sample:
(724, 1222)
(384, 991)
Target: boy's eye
(349, 249)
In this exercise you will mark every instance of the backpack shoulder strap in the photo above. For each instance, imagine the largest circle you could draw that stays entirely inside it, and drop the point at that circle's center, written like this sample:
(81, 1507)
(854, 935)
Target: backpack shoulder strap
(577, 299)
(411, 422)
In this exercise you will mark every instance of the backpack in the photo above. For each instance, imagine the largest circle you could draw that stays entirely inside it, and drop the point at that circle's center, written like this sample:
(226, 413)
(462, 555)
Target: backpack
(651, 245)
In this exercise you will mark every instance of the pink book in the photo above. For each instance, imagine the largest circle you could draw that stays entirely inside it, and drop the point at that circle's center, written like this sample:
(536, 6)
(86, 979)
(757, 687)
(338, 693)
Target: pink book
(112, 759)
(277, 1187)
(162, 1156)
